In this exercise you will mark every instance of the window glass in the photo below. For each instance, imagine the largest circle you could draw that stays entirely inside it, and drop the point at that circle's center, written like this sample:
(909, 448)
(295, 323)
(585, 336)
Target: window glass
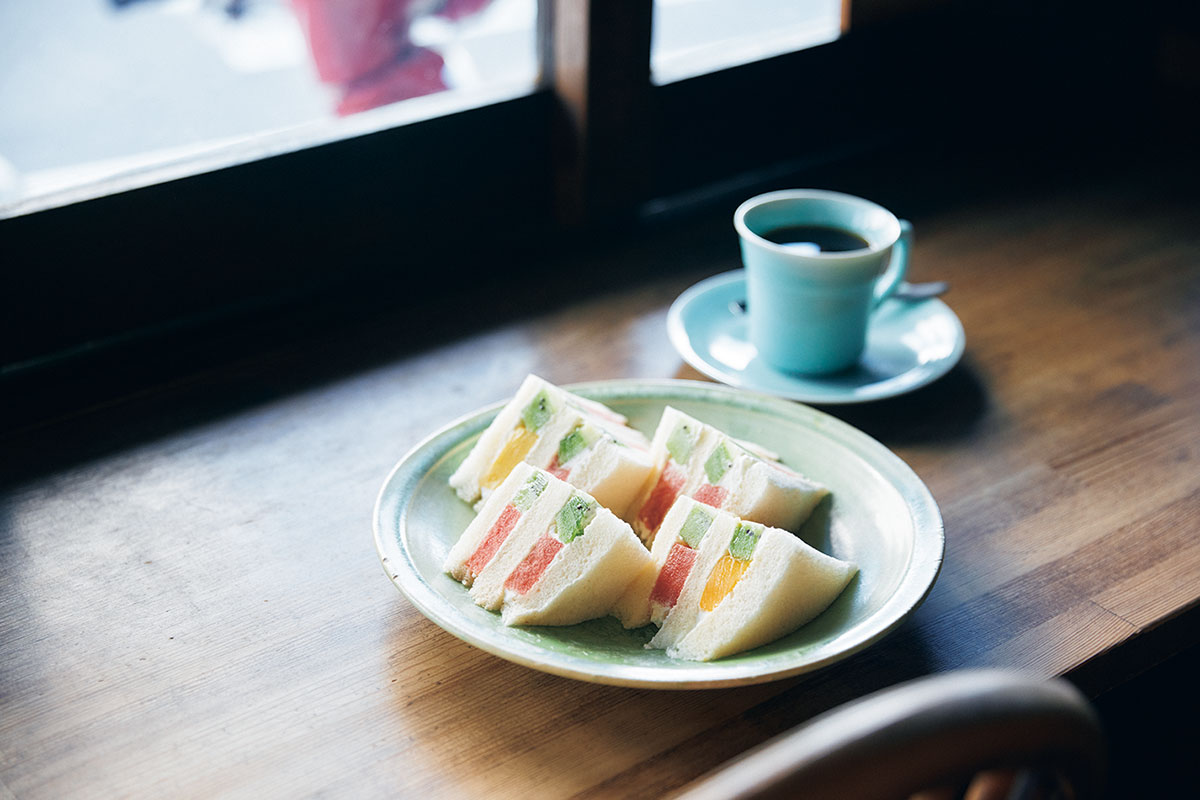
(693, 37)
(92, 89)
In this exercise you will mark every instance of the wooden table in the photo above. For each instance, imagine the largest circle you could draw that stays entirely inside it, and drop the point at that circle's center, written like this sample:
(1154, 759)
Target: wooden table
(191, 604)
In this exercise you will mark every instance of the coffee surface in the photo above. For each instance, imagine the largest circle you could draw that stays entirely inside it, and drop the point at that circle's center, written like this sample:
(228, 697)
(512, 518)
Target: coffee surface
(817, 238)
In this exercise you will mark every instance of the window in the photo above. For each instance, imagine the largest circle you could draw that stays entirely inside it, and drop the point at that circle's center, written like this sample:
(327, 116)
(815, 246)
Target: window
(694, 37)
(95, 90)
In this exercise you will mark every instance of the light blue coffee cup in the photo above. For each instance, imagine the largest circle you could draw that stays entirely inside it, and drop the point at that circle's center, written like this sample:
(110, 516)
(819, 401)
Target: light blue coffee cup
(808, 310)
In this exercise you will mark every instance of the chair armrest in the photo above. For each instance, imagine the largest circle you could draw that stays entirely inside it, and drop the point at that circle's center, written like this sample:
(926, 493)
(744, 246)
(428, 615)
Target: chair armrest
(923, 733)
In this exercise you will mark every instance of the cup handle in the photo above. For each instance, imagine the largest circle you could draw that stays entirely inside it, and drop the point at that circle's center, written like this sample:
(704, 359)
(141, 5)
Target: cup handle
(897, 266)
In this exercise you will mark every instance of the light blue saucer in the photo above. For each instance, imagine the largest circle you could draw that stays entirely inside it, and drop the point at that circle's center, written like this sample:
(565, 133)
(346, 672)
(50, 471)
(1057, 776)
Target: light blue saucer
(909, 344)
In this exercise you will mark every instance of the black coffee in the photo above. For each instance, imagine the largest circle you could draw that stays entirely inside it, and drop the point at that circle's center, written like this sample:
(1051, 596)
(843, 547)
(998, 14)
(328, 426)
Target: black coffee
(817, 238)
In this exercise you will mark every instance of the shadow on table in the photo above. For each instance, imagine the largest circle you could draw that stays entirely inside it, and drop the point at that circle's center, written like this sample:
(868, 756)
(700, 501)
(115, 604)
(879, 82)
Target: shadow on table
(947, 409)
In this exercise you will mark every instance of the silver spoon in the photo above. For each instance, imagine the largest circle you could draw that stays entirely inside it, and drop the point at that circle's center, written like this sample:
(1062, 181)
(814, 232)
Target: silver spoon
(904, 291)
(920, 291)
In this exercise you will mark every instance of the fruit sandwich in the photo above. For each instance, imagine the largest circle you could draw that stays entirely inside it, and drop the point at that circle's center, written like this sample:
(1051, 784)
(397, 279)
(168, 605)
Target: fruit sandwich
(720, 585)
(544, 552)
(694, 459)
(573, 438)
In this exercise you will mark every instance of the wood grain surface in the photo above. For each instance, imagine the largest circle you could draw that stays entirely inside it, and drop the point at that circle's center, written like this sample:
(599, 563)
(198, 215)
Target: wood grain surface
(191, 604)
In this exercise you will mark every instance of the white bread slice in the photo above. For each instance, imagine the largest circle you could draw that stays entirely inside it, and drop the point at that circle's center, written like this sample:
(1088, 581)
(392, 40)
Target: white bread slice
(633, 606)
(772, 494)
(585, 578)
(786, 585)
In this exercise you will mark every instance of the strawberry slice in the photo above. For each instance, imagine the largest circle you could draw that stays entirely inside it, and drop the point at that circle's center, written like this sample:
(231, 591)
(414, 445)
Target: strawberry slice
(711, 495)
(662, 497)
(495, 537)
(672, 576)
(536, 561)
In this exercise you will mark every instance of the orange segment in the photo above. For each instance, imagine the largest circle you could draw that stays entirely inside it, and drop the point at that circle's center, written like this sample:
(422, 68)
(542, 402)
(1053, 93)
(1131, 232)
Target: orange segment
(724, 576)
(519, 443)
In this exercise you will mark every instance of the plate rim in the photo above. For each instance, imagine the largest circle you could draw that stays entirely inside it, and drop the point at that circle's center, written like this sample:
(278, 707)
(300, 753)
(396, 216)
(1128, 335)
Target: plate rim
(680, 338)
(920, 575)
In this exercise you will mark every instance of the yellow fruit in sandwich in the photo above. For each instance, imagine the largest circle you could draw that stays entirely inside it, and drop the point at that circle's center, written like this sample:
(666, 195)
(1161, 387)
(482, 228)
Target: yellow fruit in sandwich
(518, 445)
(725, 575)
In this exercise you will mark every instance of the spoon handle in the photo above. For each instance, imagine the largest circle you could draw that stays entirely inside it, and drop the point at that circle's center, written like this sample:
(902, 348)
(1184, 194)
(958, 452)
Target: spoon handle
(920, 291)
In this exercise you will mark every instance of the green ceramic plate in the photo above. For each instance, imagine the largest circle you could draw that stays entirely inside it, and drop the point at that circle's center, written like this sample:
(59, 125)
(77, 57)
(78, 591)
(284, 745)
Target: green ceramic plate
(880, 515)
